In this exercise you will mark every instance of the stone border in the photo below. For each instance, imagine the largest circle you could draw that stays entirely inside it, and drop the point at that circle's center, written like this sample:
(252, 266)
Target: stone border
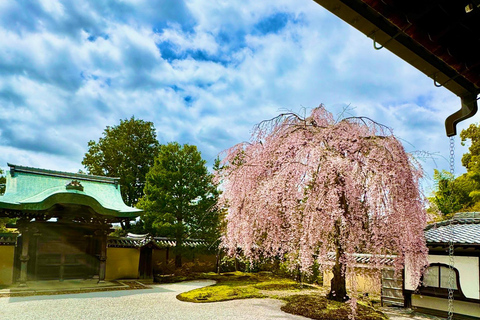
(122, 285)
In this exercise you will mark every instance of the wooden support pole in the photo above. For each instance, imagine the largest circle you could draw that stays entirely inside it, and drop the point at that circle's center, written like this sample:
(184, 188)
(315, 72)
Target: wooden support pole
(24, 257)
(103, 256)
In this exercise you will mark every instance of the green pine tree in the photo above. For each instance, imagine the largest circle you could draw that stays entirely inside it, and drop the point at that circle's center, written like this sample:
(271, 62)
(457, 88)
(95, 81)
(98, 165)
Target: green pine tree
(180, 197)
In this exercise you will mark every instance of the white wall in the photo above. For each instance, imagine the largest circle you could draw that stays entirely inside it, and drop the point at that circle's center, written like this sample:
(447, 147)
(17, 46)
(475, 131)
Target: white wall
(468, 268)
(461, 307)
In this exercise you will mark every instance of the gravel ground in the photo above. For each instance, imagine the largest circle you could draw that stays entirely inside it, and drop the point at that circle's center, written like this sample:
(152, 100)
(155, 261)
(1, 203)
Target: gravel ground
(407, 314)
(156, 303)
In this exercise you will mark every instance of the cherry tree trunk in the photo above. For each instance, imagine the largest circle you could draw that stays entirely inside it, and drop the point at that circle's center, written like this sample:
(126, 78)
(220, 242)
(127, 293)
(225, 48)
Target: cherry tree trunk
(338, 285)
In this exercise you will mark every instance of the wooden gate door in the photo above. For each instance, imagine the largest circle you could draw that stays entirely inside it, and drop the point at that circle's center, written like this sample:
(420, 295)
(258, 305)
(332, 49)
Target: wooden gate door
(62, 257)
(392, 288)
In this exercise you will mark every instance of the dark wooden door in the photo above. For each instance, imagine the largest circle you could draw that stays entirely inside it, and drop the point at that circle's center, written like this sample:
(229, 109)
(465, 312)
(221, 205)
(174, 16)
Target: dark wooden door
(63, 256)
(145, 266)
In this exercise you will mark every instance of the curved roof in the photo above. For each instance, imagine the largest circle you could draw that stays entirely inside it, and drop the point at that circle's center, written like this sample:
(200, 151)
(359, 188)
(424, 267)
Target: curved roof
(33, 189)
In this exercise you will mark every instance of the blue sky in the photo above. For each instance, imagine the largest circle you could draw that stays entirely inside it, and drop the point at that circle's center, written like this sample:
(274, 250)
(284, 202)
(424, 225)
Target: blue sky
(205, 72)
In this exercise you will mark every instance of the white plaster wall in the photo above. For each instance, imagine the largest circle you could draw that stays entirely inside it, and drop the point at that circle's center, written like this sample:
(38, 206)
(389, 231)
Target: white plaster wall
(461, 307)
(468, 268)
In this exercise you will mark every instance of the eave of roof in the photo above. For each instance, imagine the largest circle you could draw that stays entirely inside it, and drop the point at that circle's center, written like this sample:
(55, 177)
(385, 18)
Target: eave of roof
(389, 27)
(443, 46)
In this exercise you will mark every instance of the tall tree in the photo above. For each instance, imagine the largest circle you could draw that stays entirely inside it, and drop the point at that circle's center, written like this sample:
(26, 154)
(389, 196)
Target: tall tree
(180, 197)
(472, 133)
(304, 187)
(3, 180)
(452, 194)
(4, 221)
(126, 151)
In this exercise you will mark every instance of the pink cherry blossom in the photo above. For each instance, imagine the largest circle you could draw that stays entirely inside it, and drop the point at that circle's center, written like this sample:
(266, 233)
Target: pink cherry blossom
(304, 187)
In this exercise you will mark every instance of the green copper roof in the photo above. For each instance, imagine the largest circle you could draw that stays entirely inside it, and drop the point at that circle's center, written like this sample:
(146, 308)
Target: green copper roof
(33, 189)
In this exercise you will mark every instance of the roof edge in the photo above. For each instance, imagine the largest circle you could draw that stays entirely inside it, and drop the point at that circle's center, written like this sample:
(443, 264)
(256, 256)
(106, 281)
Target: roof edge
(458, 218)
(61, 174)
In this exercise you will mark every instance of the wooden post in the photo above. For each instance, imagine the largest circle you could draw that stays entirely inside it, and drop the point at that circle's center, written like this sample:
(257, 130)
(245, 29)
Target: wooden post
(24, 257)
(62, 261)
(103, 256)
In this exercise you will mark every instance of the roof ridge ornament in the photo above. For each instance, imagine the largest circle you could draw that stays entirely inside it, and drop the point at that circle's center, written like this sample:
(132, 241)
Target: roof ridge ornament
(74, 185)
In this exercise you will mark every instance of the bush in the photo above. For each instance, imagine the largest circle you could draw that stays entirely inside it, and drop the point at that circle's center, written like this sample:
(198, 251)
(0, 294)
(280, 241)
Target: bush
(168, 268)
(314, 275)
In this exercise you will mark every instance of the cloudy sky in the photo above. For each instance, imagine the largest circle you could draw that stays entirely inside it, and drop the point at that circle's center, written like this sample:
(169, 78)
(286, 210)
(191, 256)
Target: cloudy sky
(204, 71)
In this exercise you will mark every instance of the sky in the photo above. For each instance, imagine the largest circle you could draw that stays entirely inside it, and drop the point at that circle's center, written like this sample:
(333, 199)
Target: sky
(203, 71)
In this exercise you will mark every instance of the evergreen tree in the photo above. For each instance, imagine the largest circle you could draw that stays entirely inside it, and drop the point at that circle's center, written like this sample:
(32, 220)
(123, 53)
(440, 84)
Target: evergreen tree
(452, 194)
(125, 151)
(462, 193)
(180, 197)
(3, 180)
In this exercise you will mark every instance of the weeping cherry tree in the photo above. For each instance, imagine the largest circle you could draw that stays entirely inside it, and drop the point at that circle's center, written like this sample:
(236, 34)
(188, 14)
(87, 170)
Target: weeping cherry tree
(306, 187)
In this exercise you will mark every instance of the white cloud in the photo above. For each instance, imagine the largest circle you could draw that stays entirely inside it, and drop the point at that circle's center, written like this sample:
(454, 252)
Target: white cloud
(53, 7)
(203, 71)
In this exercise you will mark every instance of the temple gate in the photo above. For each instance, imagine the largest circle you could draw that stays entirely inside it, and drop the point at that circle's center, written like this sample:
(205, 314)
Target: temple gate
(63, 219)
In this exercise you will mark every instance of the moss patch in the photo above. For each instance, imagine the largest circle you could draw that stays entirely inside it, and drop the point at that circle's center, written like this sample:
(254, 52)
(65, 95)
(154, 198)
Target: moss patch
(219, 293)
(238, 285)
(320, 308)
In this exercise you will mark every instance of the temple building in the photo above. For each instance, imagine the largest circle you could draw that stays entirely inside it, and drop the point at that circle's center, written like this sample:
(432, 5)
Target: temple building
(63, 220)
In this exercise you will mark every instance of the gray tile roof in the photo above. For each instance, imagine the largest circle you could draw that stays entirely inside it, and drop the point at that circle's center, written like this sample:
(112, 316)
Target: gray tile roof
(139, 240)
(362, 258)
(8, 239)
(464, 228)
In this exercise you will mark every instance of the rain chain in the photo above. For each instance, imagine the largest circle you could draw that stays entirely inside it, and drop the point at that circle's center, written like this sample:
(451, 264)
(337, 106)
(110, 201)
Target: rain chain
(451, 279)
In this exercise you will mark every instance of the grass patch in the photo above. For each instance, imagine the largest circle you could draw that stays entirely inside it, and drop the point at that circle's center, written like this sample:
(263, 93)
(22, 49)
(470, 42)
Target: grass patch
(239, 285)
(320, 308)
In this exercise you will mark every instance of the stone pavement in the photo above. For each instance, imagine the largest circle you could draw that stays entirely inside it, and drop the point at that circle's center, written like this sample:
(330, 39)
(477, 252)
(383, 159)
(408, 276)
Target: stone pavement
(68, 286)
(407, 314)
(158, 302)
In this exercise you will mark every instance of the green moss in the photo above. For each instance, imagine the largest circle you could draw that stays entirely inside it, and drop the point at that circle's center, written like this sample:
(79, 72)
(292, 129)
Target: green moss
(320, 308)
(219, 293)
(239, 285)
(282, 284)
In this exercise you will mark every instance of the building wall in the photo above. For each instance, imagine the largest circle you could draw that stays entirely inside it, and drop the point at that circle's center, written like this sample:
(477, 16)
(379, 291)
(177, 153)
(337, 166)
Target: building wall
(122, 263)
(166, 255)
(6, 264)
(433, 303)
(365, 281)
(468, 269)
(160, 256)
